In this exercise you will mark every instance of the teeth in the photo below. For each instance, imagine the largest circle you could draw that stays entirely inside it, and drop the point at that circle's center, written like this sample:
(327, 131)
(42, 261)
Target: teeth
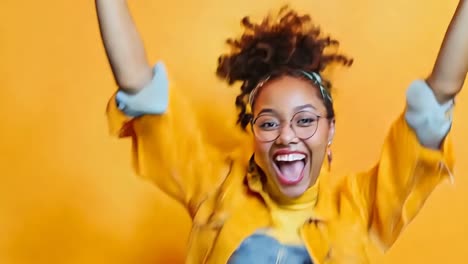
(290, 157)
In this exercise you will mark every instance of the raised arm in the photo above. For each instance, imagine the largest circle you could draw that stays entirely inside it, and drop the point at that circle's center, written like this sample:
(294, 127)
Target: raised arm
(451, 66)
(417, 154)
(173, 145)
(123, 45)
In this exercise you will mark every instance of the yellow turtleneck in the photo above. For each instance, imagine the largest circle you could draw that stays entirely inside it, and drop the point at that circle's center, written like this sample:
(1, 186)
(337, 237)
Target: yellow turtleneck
(287, 215)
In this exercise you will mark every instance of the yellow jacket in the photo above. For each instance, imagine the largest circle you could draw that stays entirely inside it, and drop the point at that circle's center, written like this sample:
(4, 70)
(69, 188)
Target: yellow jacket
(190, 159)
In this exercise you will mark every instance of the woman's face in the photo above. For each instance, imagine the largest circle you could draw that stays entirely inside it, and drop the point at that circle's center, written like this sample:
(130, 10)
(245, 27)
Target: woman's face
(287, 106)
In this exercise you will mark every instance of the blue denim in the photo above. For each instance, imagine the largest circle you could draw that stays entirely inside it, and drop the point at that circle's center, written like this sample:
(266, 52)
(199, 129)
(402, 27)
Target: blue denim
(263, 249)
(153, 99)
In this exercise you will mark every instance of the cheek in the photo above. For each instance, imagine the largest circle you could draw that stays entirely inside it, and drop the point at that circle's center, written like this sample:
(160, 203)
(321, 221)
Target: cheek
(262, 151)
(319, 142)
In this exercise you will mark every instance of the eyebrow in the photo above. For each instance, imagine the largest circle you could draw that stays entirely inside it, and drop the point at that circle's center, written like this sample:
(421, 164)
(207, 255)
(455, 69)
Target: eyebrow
(296, 109)
(302, 107)
(267, 110)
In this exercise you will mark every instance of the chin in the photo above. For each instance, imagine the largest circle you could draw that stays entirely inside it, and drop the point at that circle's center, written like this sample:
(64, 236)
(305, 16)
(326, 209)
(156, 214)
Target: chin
(293, 191)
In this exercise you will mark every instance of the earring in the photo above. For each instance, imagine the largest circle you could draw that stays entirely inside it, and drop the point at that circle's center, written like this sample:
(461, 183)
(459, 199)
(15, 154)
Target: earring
(329, 156)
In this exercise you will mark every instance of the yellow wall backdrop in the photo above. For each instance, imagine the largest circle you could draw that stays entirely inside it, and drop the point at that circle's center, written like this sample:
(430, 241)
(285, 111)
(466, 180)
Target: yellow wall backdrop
(67, 192)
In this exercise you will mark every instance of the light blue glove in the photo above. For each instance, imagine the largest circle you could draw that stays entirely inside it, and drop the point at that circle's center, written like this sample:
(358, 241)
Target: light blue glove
(152, 99)
(430, 120)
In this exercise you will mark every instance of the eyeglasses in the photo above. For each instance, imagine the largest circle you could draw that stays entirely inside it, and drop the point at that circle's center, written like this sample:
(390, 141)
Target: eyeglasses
(267, 127)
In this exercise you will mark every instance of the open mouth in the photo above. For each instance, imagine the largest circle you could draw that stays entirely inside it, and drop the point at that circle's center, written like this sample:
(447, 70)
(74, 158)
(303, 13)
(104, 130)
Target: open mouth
(290, 167)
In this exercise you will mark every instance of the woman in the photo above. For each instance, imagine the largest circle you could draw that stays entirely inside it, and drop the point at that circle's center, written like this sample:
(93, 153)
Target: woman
(270, 199)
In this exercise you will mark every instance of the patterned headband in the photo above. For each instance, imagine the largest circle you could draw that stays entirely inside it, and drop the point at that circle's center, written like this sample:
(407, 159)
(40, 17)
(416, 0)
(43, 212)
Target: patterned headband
(313, 76)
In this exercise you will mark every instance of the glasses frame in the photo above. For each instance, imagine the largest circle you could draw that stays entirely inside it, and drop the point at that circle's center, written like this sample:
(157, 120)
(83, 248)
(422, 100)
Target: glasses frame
(282, 124)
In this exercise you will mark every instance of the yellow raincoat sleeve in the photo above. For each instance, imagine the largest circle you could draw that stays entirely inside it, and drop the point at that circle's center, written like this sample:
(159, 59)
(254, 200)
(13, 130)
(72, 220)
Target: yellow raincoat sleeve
(391, 194)
(171, 150)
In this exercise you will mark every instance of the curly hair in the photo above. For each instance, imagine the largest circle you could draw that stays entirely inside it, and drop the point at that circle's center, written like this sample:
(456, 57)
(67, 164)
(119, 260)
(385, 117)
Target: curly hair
(276, 46)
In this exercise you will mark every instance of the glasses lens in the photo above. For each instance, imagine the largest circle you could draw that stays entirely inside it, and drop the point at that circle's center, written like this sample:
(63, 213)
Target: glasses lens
(266, 128)
(305, 124)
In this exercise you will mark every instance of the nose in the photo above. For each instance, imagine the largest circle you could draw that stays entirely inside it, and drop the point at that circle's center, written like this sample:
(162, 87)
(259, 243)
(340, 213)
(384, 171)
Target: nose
(287, 135)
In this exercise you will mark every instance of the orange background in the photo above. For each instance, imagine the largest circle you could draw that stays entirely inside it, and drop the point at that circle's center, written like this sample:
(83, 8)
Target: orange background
(67, 193)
